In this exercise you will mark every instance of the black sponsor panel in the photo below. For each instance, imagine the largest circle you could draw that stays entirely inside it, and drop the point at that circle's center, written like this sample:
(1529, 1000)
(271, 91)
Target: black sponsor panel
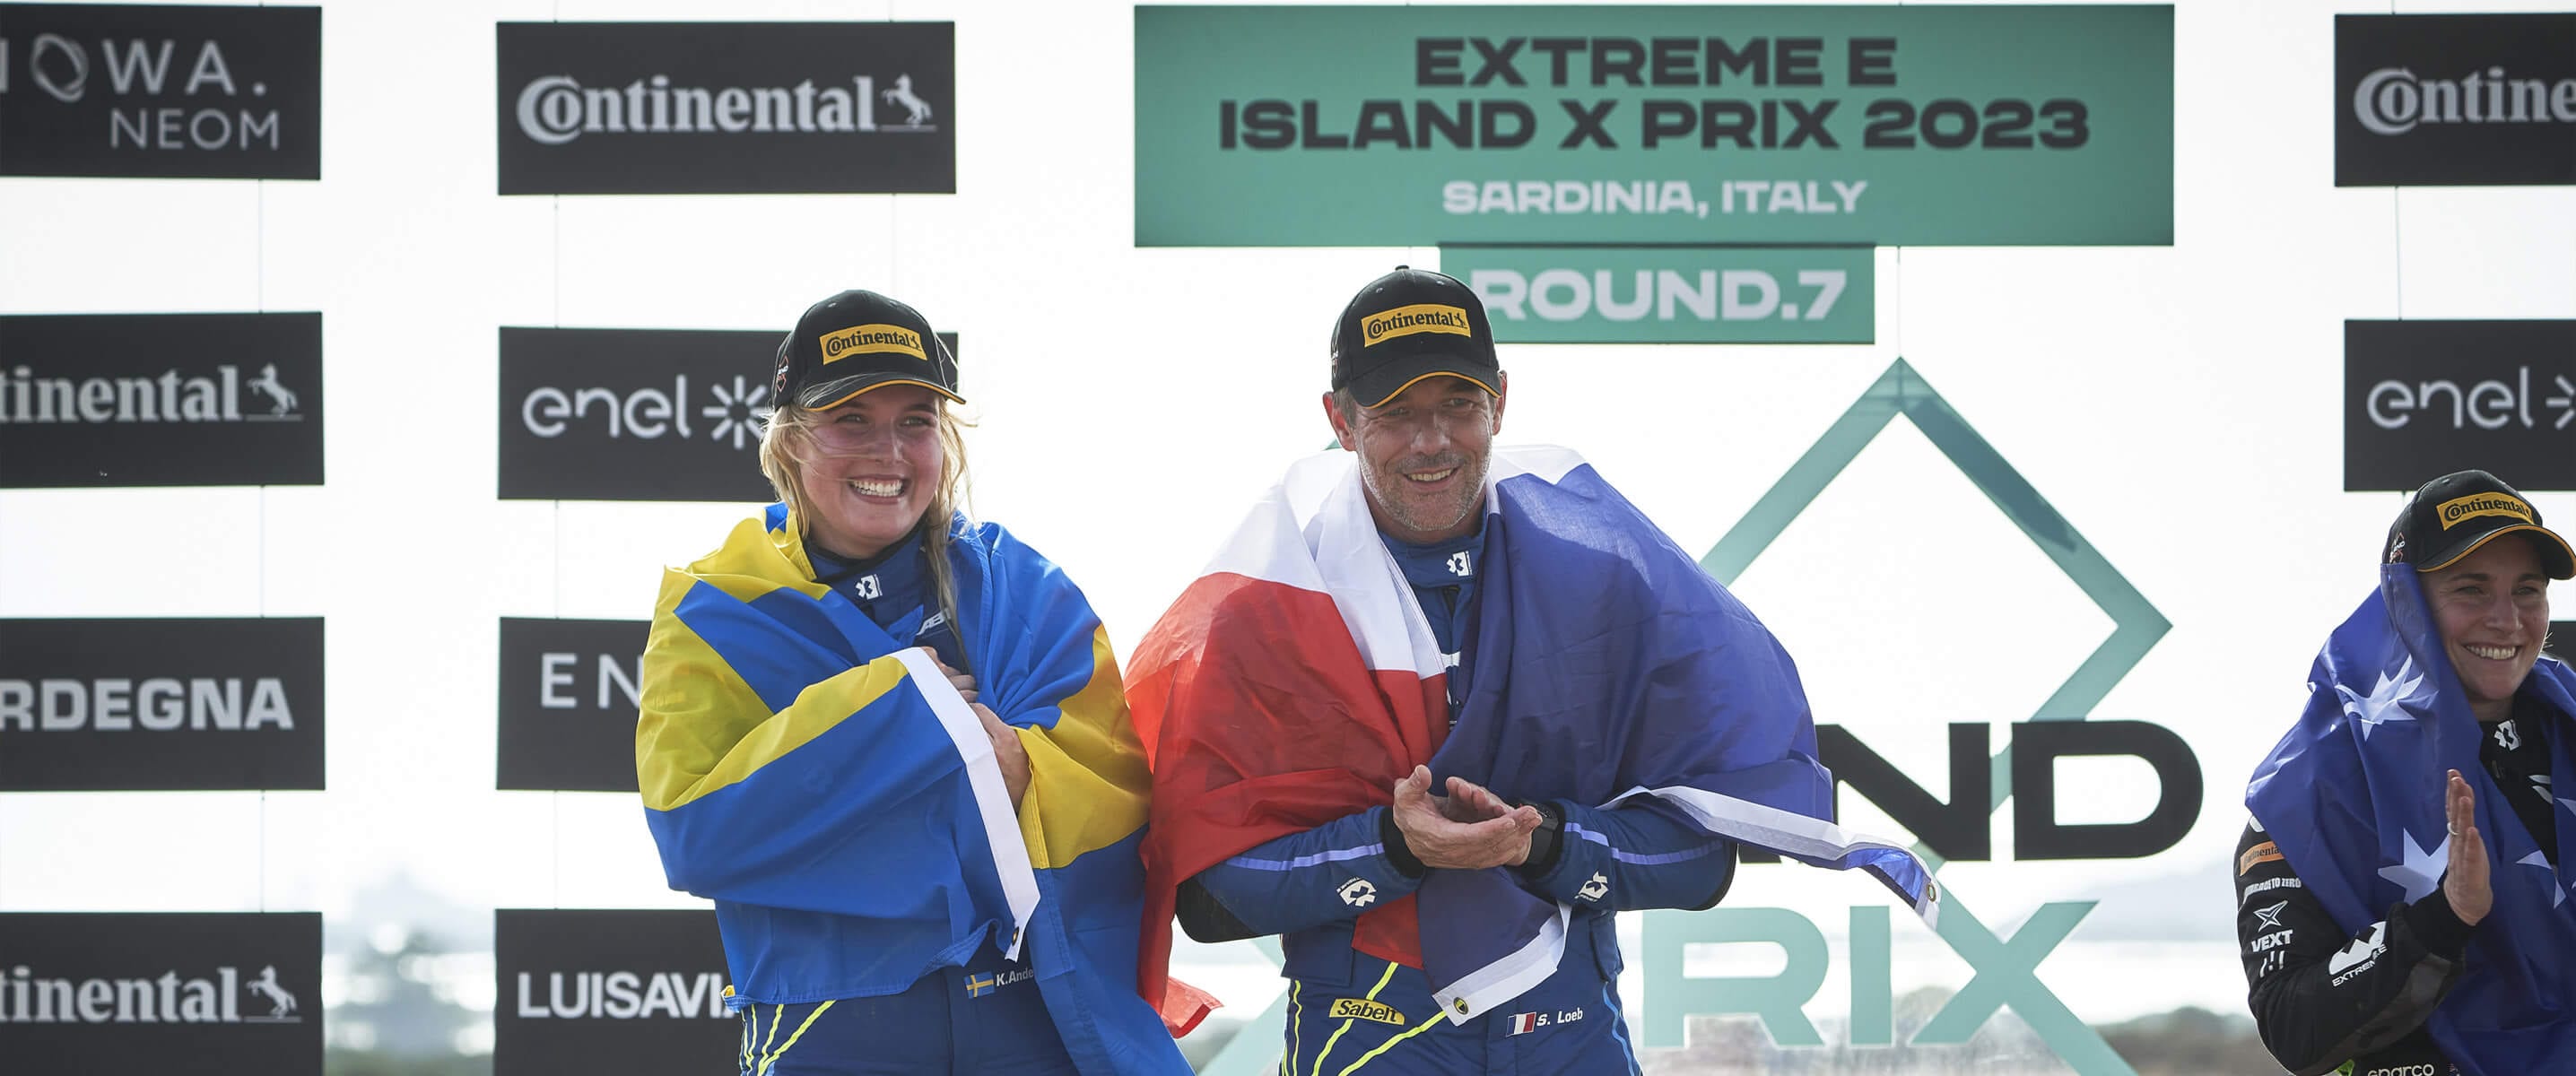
(160, 705)
(636, 992)
(2425, 398)
(160, 400)
(568, 704)
(2562, 640)
(148, 91)
(635, 414)
(2455, 100)
(727, 108)
(134, 993)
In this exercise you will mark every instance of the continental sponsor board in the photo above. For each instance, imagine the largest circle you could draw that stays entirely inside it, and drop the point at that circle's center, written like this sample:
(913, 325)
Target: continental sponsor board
(620, 990)
(160, 705)
(1567, 124)
(128, 993)
(635, 414)
(129, 90)
(2455, 100)
(569, 690)
(727, 108)
(2425, 398)
(1671, 295)
(160, 400)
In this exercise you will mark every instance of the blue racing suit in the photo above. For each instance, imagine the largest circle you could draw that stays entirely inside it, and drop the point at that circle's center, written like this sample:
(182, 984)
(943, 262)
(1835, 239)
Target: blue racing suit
(1349, 1012)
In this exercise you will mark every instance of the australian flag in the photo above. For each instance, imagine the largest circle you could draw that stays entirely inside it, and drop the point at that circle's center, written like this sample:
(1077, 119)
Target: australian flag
(2353, 796)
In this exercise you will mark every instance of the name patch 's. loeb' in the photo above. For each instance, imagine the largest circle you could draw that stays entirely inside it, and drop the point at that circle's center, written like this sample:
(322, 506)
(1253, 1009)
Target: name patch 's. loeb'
(1408, 320)
(871, 339)
(2483, 504)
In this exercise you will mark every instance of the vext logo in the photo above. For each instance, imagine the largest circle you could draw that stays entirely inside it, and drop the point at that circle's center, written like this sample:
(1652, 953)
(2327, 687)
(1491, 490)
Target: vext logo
(123, 90)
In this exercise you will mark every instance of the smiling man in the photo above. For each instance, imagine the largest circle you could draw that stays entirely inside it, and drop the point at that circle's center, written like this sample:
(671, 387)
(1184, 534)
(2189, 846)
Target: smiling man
(2402, 895)
(1439, 709)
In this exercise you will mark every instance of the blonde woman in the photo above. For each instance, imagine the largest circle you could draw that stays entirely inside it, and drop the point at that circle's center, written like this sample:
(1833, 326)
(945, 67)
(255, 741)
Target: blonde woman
(891, 744)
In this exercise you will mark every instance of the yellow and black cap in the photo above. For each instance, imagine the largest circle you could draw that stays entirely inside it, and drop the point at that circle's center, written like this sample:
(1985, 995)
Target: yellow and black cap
(857, 341)
(2455, 514)
(1408, 325)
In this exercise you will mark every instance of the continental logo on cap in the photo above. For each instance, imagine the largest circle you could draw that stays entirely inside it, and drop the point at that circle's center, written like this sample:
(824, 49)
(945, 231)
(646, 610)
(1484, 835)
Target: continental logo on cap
(2482, 504)
(870, 339)
(1407, 320)
(1364, 1009)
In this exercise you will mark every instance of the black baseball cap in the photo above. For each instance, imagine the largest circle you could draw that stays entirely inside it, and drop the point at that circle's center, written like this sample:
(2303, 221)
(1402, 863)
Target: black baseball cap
(1408, 325)
(856, 341)
(2455, 514)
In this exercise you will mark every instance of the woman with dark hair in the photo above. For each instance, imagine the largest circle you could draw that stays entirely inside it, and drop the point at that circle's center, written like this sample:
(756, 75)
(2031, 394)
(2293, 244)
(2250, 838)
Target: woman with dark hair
(2402, 890)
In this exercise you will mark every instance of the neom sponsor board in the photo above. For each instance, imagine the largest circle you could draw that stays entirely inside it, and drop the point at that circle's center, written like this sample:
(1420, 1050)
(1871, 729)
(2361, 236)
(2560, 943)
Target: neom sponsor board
(624, 991)
(2455, 100)
(160, 705)
(2425, 398)
(568, 703)
(128, 90)
(1436, 125)
(136, 993)
(727, 108)
(160, 400)
(635, 414)
(1671, 295)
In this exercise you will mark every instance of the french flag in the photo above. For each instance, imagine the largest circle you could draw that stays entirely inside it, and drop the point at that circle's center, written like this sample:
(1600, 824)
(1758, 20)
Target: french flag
(1524, 1022)
(1296, 680)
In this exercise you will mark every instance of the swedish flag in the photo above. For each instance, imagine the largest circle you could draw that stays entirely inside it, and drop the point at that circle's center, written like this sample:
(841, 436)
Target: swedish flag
(840, 804)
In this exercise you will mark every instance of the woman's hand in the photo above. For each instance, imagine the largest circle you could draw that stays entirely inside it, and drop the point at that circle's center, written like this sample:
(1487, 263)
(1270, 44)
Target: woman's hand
(1007, 751)
(964, 684)
(2465, 883)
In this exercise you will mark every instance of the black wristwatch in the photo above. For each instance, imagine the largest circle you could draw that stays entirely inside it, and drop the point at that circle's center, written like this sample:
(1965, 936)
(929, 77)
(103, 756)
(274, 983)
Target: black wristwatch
(1547, 842)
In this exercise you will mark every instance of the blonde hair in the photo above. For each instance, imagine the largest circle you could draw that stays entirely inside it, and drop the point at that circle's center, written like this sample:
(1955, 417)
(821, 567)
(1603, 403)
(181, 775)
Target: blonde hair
(790, 428)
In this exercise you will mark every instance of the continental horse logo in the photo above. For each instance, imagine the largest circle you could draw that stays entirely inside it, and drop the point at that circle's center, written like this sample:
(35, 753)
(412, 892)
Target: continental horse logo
(902, 94)
(282, 399)
(280, 1002)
